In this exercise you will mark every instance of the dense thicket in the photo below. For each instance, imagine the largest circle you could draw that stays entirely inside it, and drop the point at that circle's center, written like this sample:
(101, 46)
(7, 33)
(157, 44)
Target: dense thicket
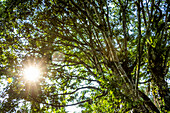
(105, 56)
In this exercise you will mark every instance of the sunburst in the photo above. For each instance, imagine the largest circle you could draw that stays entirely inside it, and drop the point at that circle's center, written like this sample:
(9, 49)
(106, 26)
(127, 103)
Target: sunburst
(32, 73)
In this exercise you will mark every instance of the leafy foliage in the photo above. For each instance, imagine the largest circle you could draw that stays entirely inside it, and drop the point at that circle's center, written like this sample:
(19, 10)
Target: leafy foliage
(105, 56)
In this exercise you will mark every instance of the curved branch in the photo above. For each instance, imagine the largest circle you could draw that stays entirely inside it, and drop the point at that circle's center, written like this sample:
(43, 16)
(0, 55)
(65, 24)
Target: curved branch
(145, 81)
(89, 87)
(59, 105)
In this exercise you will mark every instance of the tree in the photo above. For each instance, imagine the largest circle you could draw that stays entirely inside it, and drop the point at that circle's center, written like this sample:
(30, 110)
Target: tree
(114, 54)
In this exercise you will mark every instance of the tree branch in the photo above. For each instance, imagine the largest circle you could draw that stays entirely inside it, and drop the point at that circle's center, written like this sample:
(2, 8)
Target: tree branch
(87, 87)
(59, 105)
(145, 81)
(139, 48)
(148, 102)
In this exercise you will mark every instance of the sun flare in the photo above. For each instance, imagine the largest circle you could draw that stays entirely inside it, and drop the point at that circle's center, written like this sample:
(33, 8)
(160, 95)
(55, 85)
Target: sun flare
(31, 73)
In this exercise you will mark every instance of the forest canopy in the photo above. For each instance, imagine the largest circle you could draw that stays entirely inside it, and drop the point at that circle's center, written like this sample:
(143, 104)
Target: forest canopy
(101, 55)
